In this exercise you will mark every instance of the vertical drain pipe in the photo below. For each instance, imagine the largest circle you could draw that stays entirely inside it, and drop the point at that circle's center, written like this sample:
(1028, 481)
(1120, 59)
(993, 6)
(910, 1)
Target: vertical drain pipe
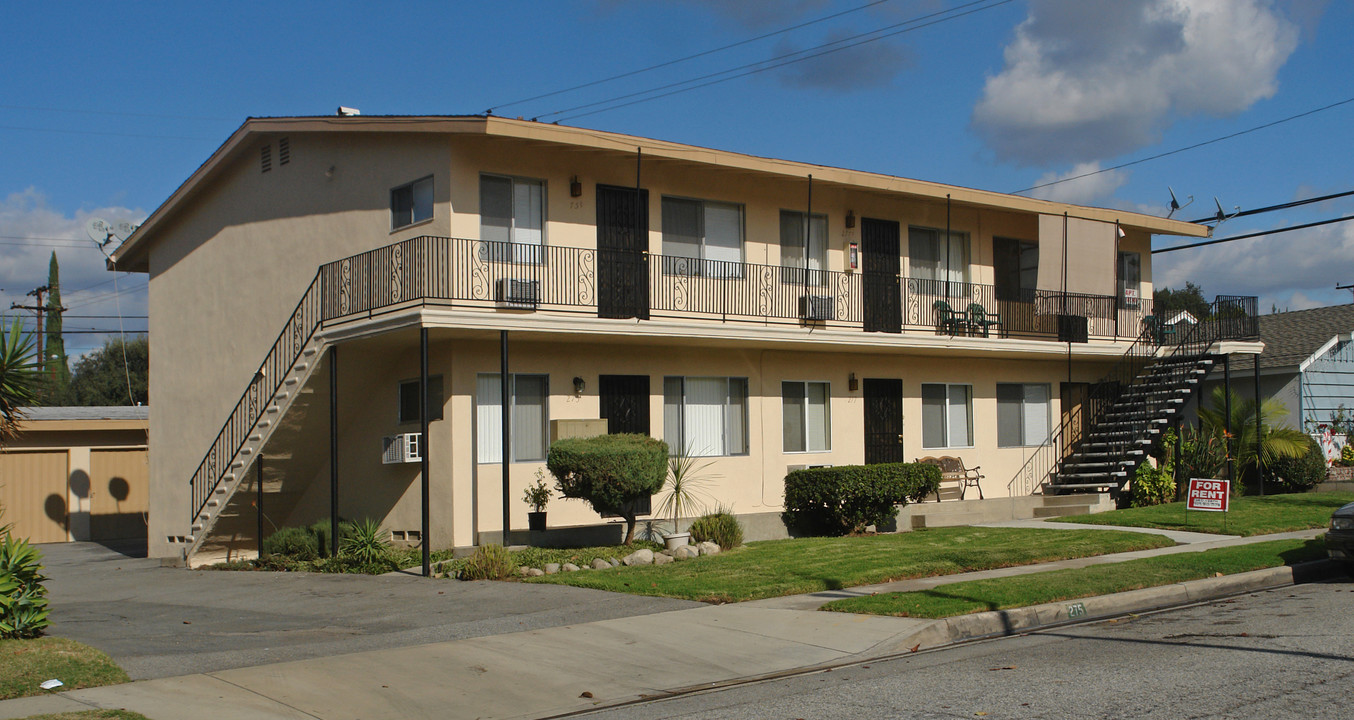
(258, 500)
(505, 420)
(333, 451)
(423, 445)
(1258, 425)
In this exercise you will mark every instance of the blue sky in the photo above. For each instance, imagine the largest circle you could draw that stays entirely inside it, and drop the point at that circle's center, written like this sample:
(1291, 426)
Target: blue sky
(106, 107)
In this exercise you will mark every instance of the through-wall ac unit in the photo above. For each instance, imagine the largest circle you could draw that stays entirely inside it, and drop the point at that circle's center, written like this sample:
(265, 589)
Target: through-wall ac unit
(517, 293)
(815, 307)
(1073, 328)
(402, 448)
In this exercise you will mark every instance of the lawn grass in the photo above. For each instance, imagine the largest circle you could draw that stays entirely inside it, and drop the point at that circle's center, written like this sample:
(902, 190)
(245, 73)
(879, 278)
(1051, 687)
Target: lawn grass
(25, 663)
(974, 596)
(1247, 516)
(786, 567)
(91, 715)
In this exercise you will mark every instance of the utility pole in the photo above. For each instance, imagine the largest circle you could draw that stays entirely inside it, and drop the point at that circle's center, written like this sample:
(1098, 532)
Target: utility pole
(41, 311)
(1349, 287)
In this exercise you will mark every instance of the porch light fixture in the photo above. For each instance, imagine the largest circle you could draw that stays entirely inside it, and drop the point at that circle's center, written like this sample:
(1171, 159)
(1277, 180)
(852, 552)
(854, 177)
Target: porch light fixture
(575, 187)
(579, 385)
(850, 218)
(852, 383)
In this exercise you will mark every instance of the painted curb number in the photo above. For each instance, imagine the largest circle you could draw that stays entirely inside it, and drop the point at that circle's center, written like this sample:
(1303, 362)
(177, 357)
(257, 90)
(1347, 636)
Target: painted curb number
(1076, 610)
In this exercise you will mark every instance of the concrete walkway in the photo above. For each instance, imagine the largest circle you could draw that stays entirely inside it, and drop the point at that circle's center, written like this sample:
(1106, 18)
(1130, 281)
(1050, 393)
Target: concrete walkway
(552, 670)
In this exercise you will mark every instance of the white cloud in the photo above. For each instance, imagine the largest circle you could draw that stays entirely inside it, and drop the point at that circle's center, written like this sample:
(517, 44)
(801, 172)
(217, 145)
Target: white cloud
(869, 65)
(1091, 79)
(1087, 190)
(33, 230)
(1294, 270)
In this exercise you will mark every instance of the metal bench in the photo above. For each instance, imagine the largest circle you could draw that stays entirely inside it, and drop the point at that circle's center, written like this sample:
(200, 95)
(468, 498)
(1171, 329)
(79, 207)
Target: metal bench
(952, 470)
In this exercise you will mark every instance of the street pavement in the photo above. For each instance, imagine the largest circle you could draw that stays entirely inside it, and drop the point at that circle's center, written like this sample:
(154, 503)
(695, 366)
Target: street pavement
(555, 668)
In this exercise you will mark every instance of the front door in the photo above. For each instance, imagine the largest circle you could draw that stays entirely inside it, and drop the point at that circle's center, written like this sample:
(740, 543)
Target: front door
(622, 252)
(880, 268)
(624, 403)
(883, 420)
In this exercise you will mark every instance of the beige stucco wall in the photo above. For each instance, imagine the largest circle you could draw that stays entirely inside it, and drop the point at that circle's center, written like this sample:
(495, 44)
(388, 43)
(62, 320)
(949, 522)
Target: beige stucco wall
(232, 264)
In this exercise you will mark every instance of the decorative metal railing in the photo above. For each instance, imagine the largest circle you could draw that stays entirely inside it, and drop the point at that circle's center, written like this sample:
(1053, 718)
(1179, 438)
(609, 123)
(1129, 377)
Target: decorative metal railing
(475, 273)
(1229, 317)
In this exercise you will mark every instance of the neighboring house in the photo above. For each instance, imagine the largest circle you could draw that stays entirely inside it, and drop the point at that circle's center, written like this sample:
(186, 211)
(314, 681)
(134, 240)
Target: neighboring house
(77, 473)
(765, 313)
(1307, 364)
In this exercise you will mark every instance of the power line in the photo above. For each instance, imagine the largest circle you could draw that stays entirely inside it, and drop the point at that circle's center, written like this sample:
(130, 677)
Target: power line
(1282, 206)
(765, 65)
(1256, 234)
(1189, 147)
(688, 57)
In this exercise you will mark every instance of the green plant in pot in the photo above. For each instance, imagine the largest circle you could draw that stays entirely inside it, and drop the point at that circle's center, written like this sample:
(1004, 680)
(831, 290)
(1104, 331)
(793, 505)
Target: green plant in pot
(537, 495)
(683, 492)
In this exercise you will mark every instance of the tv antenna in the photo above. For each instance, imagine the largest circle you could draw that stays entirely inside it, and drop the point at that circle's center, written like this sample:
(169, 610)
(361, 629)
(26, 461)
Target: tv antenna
(1221, 217)
(1175, 204)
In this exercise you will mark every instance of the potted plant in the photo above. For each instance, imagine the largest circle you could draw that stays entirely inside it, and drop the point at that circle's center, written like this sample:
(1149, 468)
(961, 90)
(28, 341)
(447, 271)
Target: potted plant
(537, 495)
(683, 488)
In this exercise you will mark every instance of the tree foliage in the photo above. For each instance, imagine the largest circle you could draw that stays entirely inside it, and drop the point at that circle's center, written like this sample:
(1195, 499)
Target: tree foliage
(1167, 302)
(610, 472)
(101, 377)
(19, 378)
(1275, 442)
(56, 368)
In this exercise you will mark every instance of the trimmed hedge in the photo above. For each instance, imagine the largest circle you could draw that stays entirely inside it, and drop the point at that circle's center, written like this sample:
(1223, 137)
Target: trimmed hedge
(848, 498)
(1298, 474)
(720, 527)
(610, 471)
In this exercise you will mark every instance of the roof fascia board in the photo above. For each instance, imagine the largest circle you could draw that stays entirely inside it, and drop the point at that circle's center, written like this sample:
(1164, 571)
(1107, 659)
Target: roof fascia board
(1302, 366)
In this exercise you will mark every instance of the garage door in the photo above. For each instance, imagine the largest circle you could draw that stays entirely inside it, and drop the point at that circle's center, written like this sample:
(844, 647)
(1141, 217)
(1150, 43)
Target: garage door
(117, 495)
(33, 494)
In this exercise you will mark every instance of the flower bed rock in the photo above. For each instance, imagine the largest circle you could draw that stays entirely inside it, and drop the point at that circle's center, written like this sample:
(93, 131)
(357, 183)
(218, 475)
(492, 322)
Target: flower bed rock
(643, 556)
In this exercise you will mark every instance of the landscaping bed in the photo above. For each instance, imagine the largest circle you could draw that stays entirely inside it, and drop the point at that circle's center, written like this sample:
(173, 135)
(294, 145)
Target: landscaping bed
(1247, 516)
(787, 567)
(974, 596)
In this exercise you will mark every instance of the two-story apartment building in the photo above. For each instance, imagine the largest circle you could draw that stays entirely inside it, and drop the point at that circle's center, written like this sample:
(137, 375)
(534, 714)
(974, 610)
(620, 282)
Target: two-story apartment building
(760, 312)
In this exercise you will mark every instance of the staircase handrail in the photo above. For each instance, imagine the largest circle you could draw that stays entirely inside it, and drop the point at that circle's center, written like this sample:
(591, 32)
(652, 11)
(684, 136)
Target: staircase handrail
(253, 403)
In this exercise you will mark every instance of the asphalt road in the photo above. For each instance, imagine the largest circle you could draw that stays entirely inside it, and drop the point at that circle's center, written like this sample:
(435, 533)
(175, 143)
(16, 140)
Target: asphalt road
(1286, 653)
(161, 622)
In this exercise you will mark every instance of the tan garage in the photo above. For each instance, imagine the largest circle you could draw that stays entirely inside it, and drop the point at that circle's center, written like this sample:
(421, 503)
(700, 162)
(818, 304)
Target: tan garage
(78, 474)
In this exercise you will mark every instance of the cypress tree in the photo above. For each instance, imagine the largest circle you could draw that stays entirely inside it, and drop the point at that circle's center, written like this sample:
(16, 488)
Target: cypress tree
(54, 349)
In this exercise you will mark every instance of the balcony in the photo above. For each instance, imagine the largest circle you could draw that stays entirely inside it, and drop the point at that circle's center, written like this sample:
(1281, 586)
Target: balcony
(605, 283)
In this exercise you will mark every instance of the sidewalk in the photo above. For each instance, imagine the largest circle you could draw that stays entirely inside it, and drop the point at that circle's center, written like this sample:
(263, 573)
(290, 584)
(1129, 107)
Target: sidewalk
(572, 668)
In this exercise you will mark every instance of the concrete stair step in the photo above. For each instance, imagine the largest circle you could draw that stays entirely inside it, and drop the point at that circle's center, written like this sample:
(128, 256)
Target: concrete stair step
(1062, 510)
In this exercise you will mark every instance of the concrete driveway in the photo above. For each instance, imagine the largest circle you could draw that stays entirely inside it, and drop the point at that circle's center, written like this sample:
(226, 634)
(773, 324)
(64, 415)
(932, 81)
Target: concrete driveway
(160, 622)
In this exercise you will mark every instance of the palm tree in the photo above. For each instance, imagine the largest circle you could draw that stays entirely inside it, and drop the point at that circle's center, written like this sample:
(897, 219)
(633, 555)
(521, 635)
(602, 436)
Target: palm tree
(1275, 442)
(19, 378)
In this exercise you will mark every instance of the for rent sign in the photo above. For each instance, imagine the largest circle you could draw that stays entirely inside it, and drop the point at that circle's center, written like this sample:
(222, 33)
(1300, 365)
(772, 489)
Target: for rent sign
(1207, 494)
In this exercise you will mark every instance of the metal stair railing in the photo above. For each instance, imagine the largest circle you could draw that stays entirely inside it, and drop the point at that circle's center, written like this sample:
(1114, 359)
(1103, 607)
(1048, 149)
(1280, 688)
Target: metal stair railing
(243, 420)
(1229, 317)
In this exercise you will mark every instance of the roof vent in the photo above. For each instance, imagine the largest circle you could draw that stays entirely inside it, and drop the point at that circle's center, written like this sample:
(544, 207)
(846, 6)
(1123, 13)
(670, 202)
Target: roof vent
(348, 112)
(283, 151)
(266, 158)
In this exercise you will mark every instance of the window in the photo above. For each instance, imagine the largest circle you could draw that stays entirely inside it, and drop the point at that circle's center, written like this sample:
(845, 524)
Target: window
(702, 238)
(793, 243)
(706, 416)
(412, 203)
(512, 217)
(1130, 275)
(1022, 414)
(409, 399)
(946, 416)
(807, 424)
(933, 256)
(1016, 265)
(530, 423)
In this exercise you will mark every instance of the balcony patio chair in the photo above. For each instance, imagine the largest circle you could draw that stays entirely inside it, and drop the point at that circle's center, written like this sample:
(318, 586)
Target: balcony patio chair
(948, 319)
(1160, 330)
(979, 319)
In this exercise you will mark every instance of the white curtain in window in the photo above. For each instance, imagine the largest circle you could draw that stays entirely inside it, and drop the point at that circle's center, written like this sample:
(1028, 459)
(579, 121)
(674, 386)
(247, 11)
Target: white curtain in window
(488, 419)
(723, 239)
(530, 393)
(959, 416)
(1036, 414)
(528, 220)
(703, 426)
(816, 424)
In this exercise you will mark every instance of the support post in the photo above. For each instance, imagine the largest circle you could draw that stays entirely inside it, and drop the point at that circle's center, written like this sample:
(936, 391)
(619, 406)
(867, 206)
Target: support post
(505, 416)
(333, 451)
(258, 500)
(1258, 425)
(423, 446)
(1227, 417)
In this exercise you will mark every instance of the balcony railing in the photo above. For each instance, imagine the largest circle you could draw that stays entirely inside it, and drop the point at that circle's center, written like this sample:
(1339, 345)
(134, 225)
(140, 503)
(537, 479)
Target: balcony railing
(613, 283)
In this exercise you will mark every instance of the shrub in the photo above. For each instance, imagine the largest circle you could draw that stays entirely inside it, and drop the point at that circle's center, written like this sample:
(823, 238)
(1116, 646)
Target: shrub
(1297, 474)
(356, 565)
(1151, 486)
(364, 541)
(1347, 453)
(847, 498)
(295, 543)
(718, 527)
(23, 599)
(610, 472)
(490, 562)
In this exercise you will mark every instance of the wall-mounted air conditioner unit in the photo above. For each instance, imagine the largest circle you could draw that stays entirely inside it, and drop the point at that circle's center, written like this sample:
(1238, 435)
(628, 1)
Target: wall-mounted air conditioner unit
(1073, 328)
(815, 307)
(513, 292)
(402, 448)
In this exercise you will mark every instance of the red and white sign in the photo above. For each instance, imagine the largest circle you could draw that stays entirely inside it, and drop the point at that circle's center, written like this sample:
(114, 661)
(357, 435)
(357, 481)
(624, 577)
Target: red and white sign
(1208, 494)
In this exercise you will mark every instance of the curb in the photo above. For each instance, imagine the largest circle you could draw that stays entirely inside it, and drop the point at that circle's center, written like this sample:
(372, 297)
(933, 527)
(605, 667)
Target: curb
(1000, 623)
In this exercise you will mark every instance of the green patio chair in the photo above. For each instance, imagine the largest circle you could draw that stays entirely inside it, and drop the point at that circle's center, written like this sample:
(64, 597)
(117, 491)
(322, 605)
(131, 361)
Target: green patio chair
(948, 319)
(979, 319)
